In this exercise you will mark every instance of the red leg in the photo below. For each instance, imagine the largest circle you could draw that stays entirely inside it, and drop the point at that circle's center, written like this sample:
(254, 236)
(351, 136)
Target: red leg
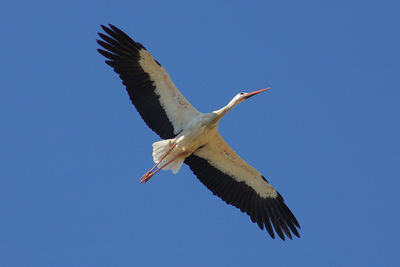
(150, 173)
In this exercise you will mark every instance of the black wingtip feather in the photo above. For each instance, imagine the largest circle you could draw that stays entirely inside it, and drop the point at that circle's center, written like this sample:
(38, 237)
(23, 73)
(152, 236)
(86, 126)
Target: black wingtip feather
(266, 219)
(285, 228)
(124, 35)
(259, 214)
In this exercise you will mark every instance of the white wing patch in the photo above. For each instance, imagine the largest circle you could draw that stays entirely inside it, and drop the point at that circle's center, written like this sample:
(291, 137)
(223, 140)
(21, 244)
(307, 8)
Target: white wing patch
(179, 111)
(218, 153)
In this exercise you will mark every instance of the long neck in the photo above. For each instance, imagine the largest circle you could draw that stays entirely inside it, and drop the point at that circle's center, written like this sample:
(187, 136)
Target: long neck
(221, 112)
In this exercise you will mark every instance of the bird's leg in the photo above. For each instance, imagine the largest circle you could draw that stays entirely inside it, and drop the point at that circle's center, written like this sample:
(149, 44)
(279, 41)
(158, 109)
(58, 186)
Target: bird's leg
(150, 173)
(163, 157)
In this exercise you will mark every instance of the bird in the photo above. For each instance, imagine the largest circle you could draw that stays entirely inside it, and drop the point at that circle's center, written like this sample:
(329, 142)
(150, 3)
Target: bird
(192, 137)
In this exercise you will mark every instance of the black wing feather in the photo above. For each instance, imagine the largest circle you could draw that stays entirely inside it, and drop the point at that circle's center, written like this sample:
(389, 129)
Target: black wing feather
(123, 56)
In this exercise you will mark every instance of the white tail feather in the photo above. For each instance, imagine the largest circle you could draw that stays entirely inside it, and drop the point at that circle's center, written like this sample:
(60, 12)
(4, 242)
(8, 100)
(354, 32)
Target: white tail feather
(174, 166)
(160, 148)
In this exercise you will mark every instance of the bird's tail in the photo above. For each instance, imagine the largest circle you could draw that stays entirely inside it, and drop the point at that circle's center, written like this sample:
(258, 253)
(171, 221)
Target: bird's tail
(160, 148)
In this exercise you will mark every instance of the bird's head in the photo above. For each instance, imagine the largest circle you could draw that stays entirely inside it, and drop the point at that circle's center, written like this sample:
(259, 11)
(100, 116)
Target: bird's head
(236, 100)
(242, 96)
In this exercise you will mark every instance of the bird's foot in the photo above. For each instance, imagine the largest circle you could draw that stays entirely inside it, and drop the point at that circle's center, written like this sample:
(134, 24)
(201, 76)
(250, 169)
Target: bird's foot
(147, 176)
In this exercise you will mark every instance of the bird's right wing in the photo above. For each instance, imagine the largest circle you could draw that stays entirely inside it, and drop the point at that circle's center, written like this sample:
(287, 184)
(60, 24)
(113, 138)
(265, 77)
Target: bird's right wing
(164, 109)
(236, 182)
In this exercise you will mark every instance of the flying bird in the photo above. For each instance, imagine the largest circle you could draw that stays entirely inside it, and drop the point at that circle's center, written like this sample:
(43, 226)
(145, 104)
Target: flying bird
(192, 137)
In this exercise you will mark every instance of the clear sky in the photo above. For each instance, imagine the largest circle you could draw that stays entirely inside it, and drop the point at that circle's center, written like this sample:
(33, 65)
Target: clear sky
(326, 135)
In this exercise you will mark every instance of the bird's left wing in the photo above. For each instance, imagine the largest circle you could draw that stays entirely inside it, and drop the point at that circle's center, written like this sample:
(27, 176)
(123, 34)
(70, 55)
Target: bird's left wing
(229, 177)
(164, 109)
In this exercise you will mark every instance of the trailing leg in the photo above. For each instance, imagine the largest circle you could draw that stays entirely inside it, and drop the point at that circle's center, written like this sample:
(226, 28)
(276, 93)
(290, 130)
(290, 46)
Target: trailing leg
(157, 148)
(175, 163)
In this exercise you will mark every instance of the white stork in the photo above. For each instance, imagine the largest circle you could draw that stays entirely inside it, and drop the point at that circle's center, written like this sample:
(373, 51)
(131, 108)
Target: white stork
(192, 137)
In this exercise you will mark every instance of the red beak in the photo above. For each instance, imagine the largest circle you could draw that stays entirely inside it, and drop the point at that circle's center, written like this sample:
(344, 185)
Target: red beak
(256, 92)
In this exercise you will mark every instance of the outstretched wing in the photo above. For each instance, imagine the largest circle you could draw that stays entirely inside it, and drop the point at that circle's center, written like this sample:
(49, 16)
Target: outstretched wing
(229, 177)
(164, 109)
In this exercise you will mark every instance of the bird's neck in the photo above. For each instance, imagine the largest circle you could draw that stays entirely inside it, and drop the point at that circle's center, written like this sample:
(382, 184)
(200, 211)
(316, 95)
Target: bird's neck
(221, 112)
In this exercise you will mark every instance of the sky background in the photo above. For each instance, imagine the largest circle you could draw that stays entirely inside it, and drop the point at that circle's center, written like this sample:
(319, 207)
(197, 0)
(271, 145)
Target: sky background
(326, 135)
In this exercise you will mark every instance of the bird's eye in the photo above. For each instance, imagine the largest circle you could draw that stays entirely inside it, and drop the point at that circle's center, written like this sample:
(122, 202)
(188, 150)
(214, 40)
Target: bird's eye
(241, 93)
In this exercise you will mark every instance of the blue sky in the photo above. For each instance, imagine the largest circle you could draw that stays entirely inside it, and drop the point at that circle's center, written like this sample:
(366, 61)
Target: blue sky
(326, 135)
